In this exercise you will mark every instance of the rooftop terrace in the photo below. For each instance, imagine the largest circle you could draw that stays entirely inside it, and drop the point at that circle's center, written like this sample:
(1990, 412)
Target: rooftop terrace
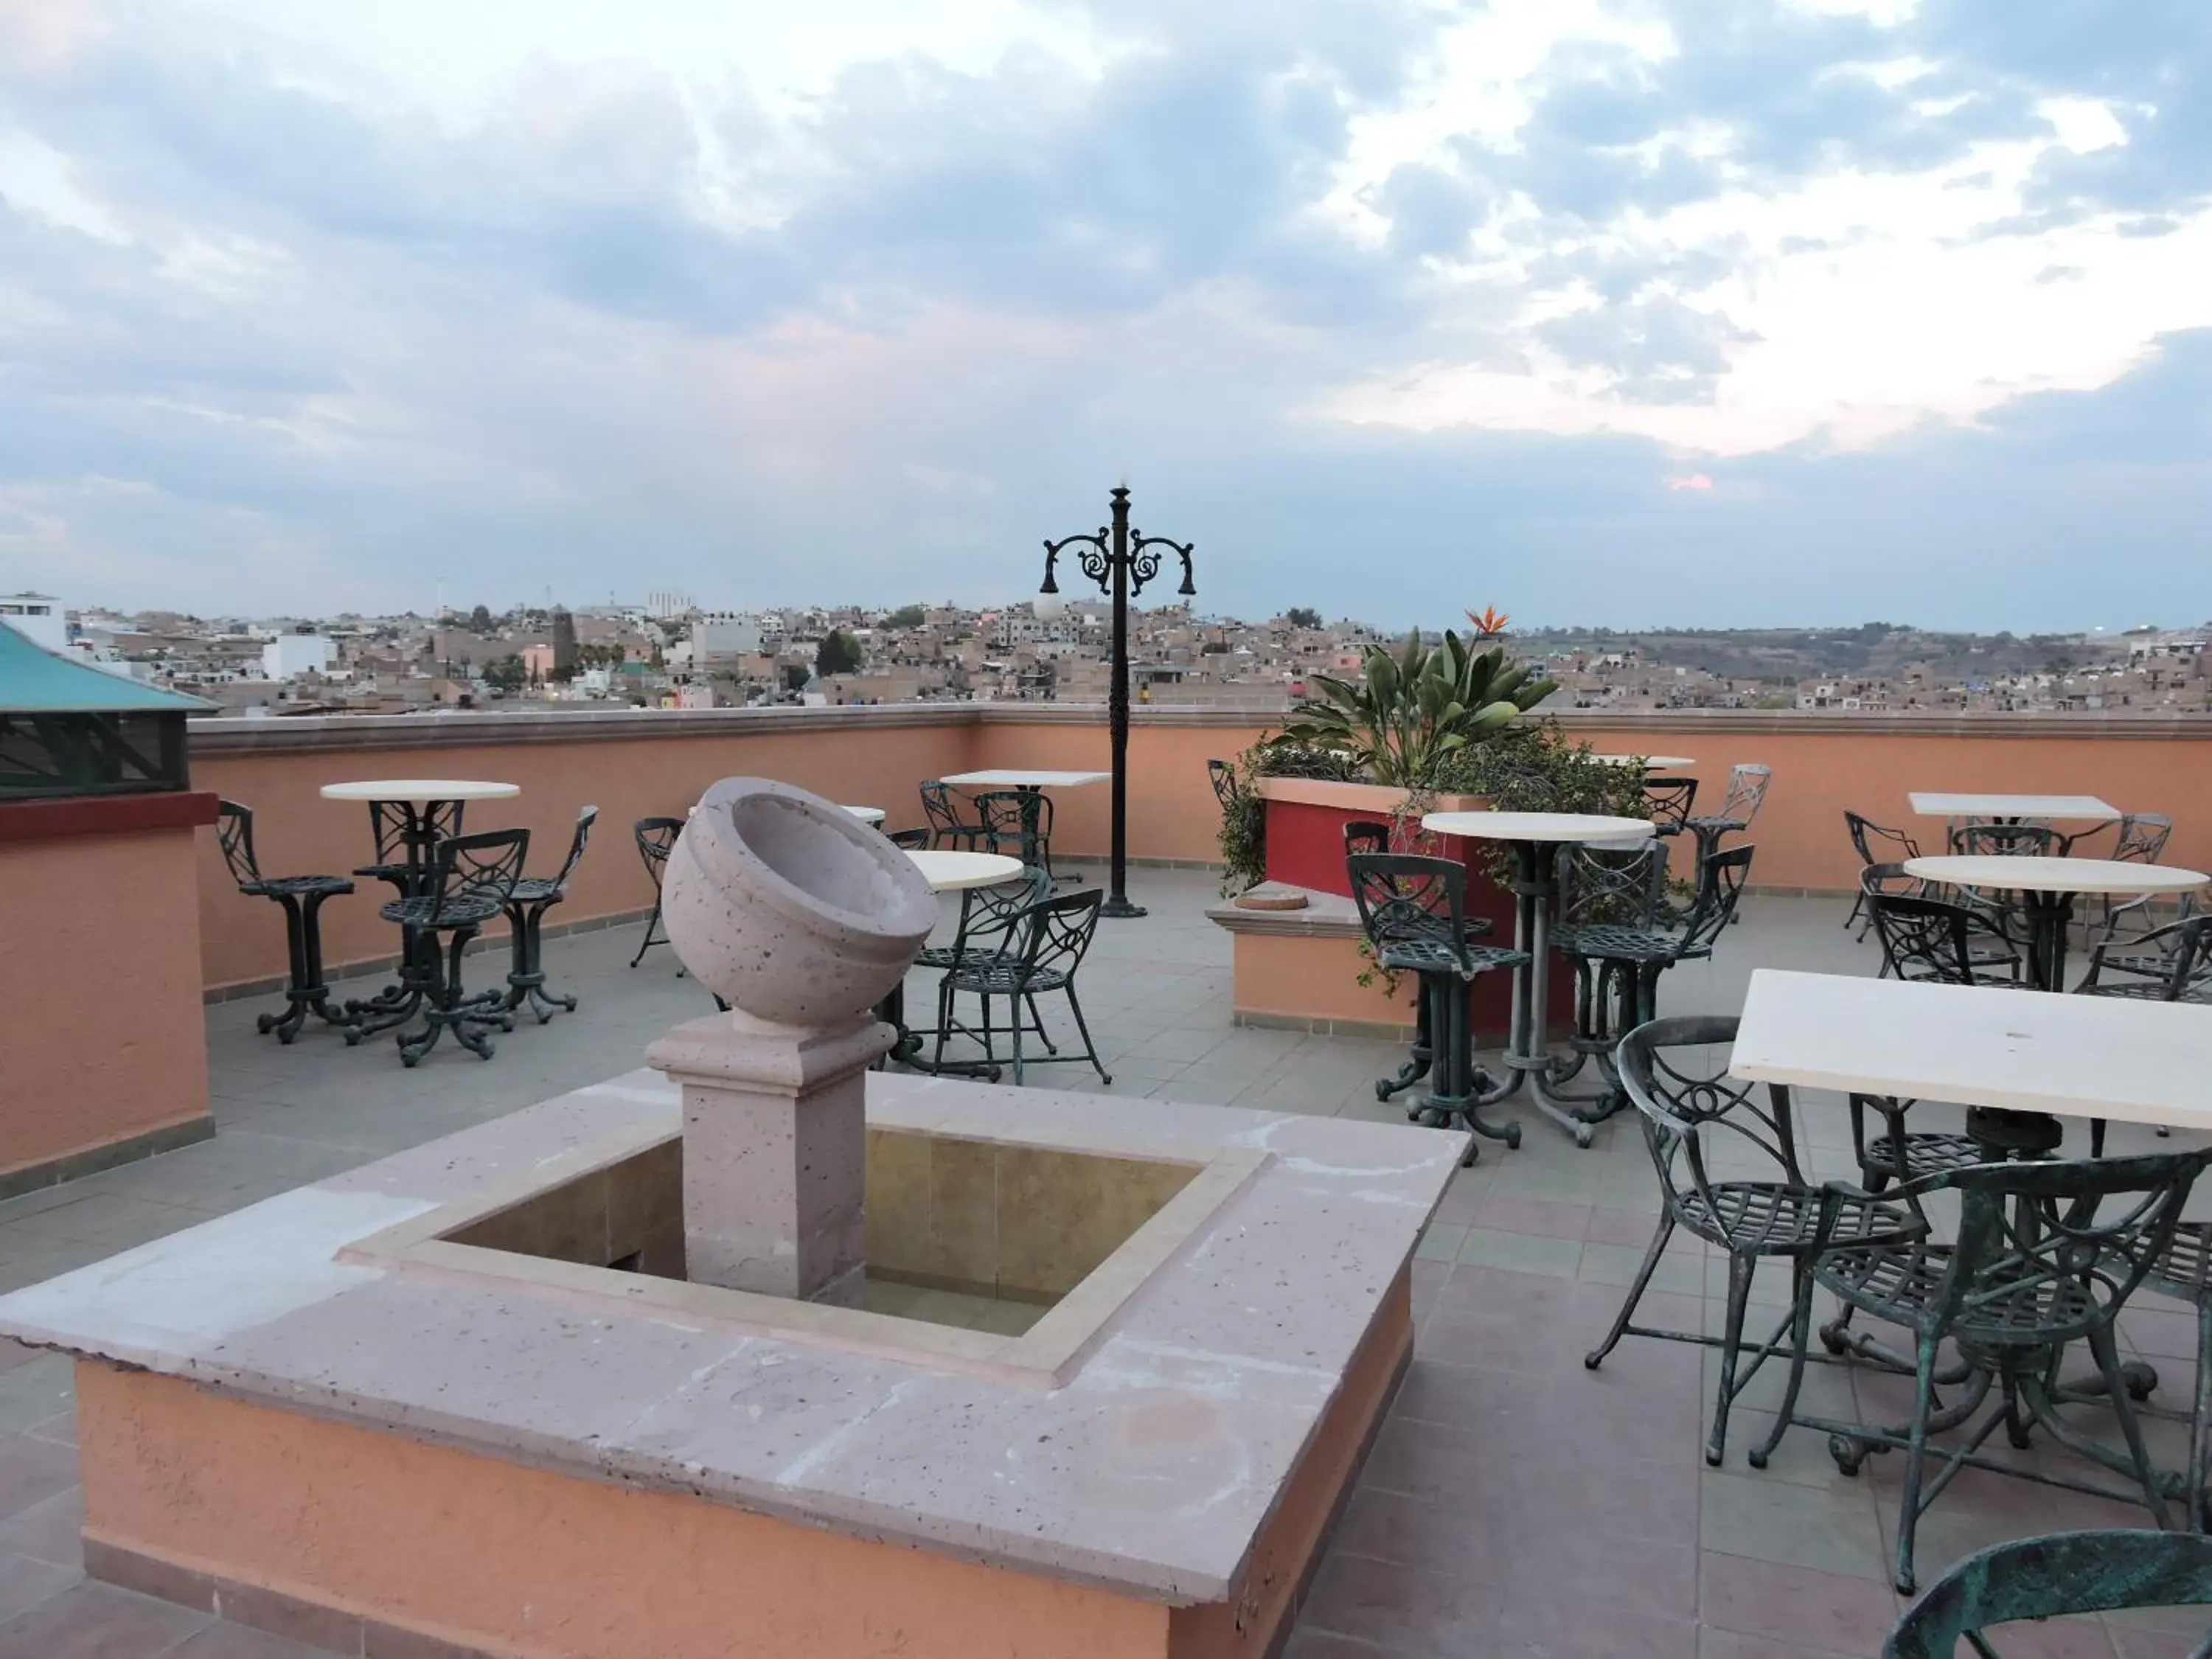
(1514, 1502)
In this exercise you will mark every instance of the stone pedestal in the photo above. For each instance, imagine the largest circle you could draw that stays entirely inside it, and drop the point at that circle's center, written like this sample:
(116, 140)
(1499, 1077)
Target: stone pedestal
(774, 1152)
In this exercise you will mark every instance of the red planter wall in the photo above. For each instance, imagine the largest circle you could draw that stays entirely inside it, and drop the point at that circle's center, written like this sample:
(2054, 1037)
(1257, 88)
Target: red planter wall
(1305, 848)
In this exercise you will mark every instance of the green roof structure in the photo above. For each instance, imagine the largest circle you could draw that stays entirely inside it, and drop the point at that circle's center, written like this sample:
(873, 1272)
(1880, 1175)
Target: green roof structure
(36, 681)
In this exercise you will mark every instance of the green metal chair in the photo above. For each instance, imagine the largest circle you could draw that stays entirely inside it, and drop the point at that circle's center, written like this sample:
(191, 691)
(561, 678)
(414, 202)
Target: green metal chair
(2049, 1576)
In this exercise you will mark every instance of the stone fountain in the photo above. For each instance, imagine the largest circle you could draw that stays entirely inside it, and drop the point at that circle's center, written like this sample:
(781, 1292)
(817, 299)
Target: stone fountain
(760, 1352)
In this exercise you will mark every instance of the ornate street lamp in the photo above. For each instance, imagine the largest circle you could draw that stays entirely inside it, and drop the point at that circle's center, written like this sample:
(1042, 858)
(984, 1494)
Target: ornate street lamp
(1121, 561)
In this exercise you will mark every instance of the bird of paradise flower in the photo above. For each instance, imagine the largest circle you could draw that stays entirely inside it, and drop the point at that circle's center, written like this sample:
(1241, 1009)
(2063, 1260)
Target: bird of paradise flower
(1488, 622)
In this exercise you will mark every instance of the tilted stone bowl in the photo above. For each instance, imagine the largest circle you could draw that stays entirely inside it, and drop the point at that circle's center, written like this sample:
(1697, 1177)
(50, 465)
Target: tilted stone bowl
(790, 907)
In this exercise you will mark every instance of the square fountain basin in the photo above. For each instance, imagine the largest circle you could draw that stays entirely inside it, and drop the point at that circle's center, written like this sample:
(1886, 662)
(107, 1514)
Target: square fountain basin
(1138, 1437)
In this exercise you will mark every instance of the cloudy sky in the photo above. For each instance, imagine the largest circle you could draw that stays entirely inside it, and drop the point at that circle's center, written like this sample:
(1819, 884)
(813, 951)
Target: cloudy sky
(1616, 311)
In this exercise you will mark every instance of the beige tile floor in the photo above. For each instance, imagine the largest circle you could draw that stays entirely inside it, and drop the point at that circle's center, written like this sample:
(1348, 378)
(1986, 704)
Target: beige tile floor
(1515, 1504)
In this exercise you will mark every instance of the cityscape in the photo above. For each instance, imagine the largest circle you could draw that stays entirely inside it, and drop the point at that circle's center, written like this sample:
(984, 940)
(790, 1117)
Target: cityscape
(669, 653)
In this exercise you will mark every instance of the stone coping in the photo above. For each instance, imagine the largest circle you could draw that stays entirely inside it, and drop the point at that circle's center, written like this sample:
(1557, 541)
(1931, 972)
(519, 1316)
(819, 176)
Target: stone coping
(1326, 915)
(1149, 1472)
(462, 729)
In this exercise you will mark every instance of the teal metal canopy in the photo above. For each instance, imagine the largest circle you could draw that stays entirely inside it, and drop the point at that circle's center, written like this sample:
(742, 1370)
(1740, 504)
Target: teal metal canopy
(36, 681)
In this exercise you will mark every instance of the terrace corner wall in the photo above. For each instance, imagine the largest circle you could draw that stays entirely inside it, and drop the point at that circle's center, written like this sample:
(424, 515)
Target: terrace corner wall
(103, 1045)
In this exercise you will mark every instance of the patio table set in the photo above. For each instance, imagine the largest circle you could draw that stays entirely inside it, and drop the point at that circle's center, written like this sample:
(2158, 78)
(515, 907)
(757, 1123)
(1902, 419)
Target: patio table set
(1591, 887)
(1994, 1255)
(448, 884)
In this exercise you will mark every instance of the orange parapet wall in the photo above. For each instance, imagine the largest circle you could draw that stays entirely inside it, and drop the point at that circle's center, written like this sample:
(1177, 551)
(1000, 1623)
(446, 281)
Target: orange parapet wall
(105, 1054)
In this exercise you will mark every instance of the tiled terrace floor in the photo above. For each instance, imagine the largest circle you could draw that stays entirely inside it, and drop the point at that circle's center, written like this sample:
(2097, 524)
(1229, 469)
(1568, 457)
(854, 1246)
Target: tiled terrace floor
(1514, 1504)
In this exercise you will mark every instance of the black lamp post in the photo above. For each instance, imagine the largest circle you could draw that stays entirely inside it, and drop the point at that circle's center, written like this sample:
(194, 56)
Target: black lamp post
(1121, 561)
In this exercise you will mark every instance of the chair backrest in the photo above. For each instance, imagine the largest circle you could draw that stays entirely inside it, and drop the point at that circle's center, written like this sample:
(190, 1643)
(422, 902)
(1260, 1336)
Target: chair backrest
(1006, 817)
(585, 820)
(1623, 885)
(484, 866)
(234, 833)
(2142, 836)
(1671, 800)
(1747, 793)
(2186, 946)
(941, 807)
(1676, 1071)
(2048, 1250)
(2044, 1578)
(990, 914)
(1930, 939)
(655, 838)
(1406, 896)
(2009, 841)
(1055, 932)
(1865, 831)
(1223, 776)
(914, 840)
(1720, 890)
(388, 821)
(1365, 835)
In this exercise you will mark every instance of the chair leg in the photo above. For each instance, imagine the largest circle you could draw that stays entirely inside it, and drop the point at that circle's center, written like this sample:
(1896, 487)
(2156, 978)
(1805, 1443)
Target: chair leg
(286, 1024)
(1417, 1063)
(1043, 1036)
(1916, 1459)
(1660, 1235)
(2199, 1477)
(1800, 1332)
(652, 926)
(311, 943)
(1014, 1021)
(2108, 1362)
(1741, 1268)
(1090, 1048)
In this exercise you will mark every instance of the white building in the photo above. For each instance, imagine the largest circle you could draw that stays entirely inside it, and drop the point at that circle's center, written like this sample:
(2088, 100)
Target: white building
(290, 655)
(38, 617)
(721, 637)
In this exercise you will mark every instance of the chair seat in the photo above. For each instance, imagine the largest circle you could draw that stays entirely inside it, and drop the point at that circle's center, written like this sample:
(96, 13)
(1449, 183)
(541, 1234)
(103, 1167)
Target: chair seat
(1616, 942)
(1925, 1153)
(459, 910)
(1903, 1284)
(1000, 974)
(1423, 955)
(295, 886)
(1771, 1217)
(2147, 990)
(950, 955)
(2183, 1268)
(537, 890)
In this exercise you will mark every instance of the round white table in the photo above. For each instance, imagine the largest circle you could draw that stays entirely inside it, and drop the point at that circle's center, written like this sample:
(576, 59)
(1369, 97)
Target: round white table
(955, 872)
(2047, 889)
(1536, 838)
(1648, 762)
(868, 814)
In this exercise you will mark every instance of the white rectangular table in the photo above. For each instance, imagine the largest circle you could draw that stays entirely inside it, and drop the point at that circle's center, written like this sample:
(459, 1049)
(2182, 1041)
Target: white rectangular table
(1944, 804)
(2089, 1057)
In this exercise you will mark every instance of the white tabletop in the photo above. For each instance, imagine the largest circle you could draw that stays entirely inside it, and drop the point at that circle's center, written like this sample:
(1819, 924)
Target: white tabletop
(1017, 778)
(2041, 875)
(1536, 826)
(948, 872)
(2111, 1057)
(1937, 803)
(1649, 762)
(868, 814)
(420, 790)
